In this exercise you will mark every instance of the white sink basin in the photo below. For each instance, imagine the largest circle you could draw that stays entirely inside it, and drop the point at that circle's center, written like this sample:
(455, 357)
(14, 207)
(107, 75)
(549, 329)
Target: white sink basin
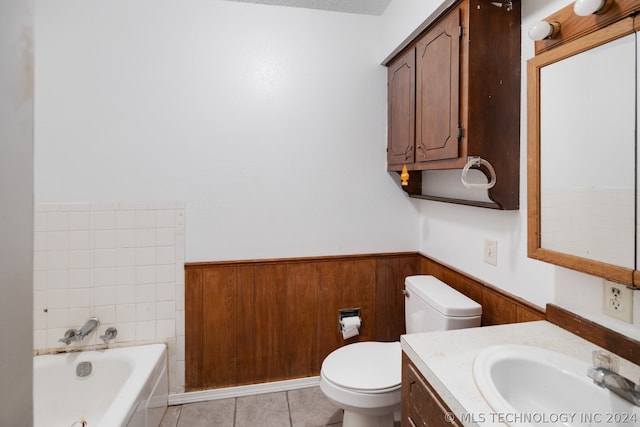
(532, 386)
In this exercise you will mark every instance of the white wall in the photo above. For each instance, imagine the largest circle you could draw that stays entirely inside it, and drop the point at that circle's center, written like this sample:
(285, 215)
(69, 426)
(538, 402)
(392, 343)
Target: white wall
(16, 215)
(269, 122)
(455, 234)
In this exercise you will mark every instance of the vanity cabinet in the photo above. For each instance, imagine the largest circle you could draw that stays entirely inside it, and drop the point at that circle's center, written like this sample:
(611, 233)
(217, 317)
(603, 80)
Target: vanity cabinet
(454, 93)
(421, 405)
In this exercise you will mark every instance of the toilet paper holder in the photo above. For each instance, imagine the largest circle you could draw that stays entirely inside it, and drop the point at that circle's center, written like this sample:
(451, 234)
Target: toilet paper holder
(347, 312)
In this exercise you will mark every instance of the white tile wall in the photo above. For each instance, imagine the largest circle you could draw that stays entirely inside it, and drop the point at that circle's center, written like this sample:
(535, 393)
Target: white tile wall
(120, 262)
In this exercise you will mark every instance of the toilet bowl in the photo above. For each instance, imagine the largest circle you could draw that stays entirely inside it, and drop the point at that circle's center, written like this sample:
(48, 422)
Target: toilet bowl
(364, 378)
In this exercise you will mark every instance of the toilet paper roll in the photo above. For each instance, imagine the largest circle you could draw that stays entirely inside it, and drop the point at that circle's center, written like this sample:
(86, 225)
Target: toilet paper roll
(349, 333)
(349, 326)
(352, 321)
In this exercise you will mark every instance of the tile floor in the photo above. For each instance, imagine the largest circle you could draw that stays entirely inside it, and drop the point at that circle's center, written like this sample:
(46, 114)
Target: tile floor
(306, 407)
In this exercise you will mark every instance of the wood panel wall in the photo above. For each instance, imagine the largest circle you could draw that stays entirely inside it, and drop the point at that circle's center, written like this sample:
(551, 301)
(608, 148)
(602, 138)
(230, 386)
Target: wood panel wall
(250, 322)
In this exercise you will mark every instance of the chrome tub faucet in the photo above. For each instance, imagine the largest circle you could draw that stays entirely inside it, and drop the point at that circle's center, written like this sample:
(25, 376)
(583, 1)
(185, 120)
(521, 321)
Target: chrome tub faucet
(604, 373)
(79, 334)
(90, 326)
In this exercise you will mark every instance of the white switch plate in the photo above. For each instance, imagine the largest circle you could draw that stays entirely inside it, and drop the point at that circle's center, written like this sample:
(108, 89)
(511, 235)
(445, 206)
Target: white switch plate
(617, 301)
(491, 251)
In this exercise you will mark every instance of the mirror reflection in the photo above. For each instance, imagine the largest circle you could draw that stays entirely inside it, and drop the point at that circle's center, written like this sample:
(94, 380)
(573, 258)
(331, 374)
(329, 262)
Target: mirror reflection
(588, 154)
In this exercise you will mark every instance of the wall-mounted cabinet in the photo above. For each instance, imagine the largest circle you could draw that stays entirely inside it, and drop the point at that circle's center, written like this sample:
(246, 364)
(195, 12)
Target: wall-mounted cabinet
(454, 93)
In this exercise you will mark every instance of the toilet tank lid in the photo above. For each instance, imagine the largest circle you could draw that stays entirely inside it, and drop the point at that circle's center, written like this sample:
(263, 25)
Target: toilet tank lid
(442, 297)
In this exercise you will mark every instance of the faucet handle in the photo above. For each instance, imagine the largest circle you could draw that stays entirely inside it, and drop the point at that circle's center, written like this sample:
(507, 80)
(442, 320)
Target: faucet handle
(109, 334)
(68, 336)
(604, 359)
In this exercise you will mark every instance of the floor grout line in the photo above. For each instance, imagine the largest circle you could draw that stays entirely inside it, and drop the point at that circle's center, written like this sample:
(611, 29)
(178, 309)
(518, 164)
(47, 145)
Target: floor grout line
(235, 411)
(289, 409)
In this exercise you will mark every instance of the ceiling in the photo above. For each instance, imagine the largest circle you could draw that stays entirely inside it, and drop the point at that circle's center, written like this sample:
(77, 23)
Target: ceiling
(365, 7)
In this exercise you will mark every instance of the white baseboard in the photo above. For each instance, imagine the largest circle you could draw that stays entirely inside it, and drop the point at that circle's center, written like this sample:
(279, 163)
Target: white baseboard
(243, 390)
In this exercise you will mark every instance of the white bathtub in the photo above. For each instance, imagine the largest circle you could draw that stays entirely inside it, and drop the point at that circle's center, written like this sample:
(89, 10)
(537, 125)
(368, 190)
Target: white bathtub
(127, 386)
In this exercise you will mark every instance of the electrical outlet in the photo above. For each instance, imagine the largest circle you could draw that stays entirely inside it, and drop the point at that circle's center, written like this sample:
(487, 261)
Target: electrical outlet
(491, 251)
(618, 301)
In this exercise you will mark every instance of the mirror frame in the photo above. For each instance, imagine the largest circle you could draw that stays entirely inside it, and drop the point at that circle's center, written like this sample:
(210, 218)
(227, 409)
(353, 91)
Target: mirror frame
(535, 250)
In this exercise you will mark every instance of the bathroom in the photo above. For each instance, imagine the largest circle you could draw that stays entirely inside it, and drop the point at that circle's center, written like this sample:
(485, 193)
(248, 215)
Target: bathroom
(133, 102)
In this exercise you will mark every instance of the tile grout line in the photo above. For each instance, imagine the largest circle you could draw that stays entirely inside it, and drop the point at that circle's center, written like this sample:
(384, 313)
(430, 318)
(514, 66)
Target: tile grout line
(289, 409)
(235, 410)
(179, 415)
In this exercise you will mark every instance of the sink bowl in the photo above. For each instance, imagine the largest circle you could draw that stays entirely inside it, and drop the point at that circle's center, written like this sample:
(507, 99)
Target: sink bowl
(533, 386)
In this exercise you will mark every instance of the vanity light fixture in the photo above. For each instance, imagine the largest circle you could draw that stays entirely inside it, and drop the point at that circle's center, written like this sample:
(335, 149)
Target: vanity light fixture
(590, 7)
(544, 30)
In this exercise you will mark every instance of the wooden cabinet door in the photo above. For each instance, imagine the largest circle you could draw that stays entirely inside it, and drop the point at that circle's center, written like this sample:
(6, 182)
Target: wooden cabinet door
(401, 104)
(421, 404)
(438, 90)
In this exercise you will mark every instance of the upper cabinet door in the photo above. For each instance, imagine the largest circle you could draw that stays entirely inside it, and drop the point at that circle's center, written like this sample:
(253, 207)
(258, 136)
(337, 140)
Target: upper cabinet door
(438, 90)
(401, 105)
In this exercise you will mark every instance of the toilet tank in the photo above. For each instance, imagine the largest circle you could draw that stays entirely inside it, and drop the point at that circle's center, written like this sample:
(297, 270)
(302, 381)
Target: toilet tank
(432, 305)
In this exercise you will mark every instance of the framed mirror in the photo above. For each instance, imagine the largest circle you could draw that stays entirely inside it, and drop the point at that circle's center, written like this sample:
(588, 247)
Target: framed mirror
(582, 178)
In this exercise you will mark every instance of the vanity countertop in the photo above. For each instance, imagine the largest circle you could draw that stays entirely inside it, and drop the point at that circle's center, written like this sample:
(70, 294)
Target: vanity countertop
(446, 358)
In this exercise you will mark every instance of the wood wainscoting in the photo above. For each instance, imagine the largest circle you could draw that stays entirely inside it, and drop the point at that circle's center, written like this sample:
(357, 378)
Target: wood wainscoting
(498, 306)
(250, 322)
(620, 344)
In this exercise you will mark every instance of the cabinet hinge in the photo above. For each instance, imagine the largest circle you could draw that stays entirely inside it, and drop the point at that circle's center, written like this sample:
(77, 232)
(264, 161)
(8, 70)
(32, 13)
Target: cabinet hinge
(461, 31)
(460, 132)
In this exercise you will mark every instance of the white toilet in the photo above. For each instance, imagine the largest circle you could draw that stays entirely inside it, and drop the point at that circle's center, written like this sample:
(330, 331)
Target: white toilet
(364, 378)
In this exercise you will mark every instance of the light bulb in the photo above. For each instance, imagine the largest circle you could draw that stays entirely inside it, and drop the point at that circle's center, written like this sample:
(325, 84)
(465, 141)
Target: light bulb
(588, 7)
(543, 30)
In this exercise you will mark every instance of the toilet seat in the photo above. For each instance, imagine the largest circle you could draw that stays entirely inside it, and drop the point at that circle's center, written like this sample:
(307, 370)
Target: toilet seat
(365, 367)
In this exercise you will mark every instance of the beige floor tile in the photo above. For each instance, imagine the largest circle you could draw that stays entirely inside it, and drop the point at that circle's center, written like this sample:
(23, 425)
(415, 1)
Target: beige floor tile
(171, 415)
(218, 413)
(296, 408)
(310, 408)
(264, 410)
